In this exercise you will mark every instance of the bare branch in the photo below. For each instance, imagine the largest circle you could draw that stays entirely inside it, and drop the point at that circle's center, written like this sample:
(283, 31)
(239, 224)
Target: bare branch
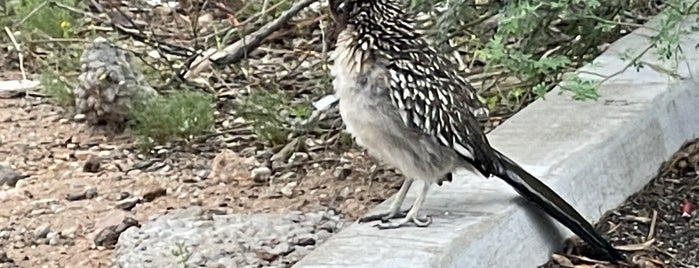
(236, 51)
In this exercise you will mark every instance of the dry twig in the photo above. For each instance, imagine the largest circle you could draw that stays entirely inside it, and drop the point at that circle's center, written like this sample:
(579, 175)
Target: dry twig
(242, 47)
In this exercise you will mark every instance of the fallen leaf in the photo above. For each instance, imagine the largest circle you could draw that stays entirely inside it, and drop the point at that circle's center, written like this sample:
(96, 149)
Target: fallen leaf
(636, 247)
(562, 260)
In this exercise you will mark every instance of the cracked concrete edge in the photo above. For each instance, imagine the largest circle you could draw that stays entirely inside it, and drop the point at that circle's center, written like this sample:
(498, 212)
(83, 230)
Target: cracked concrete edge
(594, 154)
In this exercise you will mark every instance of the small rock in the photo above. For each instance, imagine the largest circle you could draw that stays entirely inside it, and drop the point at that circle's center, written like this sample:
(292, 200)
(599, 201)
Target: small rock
(298, 157)
(82, 155)
(91, 192)
(153, 193)
(51, 235)
(39, 211)
(328, 226)
(92, 165)
(54, 241)
(127, 203)
(19, 244)
(281, 249)
(8, 176)
(306, 239)
(324, 199)
(341, 173)
(79, 117)
(288, 189)
(56, 208)
(251, 161)
(41, 231)
(69, 232)
(265, 254)
(123, 195)
(205, 19)
(62, 154)
(191, 179)
(323, 235)
(4, 258)
(285, 177)
(109, 236)
(88, 193)
(227, 167)
(155, 167)
(162, 10)
(202, 173)
(260, 174)
(75, 196)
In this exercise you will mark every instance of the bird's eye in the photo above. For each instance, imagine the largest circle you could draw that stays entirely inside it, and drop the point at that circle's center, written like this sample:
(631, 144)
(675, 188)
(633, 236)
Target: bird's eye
(341, 8)
(338, 9)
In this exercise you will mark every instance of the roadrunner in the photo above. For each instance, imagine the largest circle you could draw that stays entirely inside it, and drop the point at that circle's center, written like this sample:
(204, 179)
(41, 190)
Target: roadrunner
(409, 107)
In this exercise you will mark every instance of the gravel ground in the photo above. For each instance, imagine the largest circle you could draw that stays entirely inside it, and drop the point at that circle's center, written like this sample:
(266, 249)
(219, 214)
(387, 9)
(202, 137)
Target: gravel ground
(657, 226)
(194, 237)
(68, 191)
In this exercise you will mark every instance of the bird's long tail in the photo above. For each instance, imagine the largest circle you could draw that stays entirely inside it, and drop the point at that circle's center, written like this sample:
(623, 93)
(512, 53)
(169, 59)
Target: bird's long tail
(535, 191)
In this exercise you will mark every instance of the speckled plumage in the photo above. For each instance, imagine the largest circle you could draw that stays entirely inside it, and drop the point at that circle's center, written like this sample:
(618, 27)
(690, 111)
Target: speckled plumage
(410, 108)
(426, 91)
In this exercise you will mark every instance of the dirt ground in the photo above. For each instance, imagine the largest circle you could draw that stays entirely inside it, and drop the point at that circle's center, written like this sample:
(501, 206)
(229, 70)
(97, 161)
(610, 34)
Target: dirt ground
(78, 182)
(659, 224)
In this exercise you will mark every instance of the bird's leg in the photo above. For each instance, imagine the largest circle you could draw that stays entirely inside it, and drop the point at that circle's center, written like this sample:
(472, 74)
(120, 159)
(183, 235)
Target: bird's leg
(394, 210)
(412, 215)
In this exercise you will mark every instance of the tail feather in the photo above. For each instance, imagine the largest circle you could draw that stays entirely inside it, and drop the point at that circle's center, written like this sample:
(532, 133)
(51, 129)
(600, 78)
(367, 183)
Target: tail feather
(534, 190)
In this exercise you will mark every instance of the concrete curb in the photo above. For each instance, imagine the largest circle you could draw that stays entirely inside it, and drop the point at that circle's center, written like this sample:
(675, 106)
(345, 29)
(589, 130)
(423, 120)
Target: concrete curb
(594, 154)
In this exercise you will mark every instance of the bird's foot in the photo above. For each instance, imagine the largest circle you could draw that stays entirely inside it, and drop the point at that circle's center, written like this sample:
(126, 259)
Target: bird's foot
(384, 217)
(403, 221)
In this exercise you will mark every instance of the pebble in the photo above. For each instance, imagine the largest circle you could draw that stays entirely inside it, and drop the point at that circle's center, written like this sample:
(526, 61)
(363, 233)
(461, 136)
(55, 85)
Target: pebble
(298, 157)
(89, 193)
(248, 240)
(288, 189)
(260, 174)
(341, 173)
(4, 258)
(8, 176)
(92, 165)
(41, 231)
(108, 236)
(69, 232)
(127, 203)
(79, 117)
(154, 192)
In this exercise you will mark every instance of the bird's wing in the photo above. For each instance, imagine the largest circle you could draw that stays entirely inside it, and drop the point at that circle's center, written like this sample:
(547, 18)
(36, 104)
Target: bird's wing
(431, 96)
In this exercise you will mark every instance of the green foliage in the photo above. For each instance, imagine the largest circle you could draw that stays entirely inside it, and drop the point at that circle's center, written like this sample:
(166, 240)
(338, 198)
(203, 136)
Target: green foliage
(58, 74)
(524, 65)
(268, 111)
(537, 41)
(39, 16)
(181, 114)
(56, 87)
(182, 253)
(582, 89)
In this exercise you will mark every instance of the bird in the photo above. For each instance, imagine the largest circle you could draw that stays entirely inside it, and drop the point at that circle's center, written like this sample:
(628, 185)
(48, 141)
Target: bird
(409, 107)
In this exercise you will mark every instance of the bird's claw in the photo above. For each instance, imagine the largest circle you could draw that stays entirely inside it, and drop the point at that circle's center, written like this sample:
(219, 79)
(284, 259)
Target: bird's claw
(396, 224)
(384, 217)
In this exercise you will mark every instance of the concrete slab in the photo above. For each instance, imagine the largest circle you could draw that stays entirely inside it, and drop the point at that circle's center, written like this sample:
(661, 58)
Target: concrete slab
(594, 154)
